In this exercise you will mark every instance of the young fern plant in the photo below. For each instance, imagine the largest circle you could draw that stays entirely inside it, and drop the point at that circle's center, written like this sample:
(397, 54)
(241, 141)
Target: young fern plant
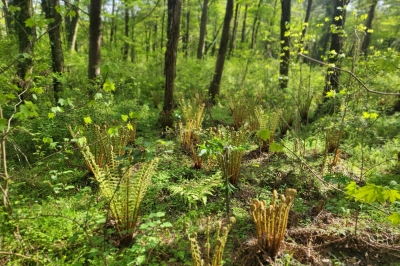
(268, 125)
(124, 187)
(102, 138)
(236, 140)
(190, 130)
(218, 245)
(271, 221)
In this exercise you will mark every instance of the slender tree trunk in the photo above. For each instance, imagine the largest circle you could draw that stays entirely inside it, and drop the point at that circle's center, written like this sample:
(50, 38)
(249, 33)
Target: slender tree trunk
(203, 30)
(26, 36)
(368, 26)
(174, 16)
(187, 33)
(234, 30)
(243, 38)
(133, 55)
(162, 28)
(57, 57)
(285, 44)
(337, 30)
(214, 89)
(7, 16)
(268, 42)
(126, 44)
(306, 19)
(254, 32)
(155, 32)
(112, 30)
(94, 41)
(322, 44)
(71, 25)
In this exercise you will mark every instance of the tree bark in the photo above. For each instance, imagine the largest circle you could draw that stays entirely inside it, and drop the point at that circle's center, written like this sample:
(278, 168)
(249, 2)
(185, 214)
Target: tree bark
(234, 30)
(126, 44)
(112, 30)
(26, 37)
(285, 44)
(71, 25)
(306, 19)
(7, 17)
(133, 53)
(243, 38)
(187, 33)
(174, 16)
(368, 26)
(57, 56)
(203, 30)
(322, 44)
(254, 31)
(337, 29)
(94, 40)
(214, 89)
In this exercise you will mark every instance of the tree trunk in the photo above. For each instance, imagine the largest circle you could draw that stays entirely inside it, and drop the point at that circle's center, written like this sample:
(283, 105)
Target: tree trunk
(243, 38)
(322, 44)
(71, 25)
(57, 57)
(162, 28)
(214, 89)
(7, 17)
(126, 44)
(203, 30)
(26, 37)
(306, 19)
(112, 30)
(368, 26)
(337, 29)
(254, 31)
(187, 33)
(234, 30)
(94, 41)
(133, 55)
(155, 32)
(285, 44)
(174, 16)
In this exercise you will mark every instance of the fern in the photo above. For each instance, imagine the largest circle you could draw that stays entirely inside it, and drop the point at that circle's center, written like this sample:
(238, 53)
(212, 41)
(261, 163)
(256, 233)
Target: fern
(124, 188)
(193, 191)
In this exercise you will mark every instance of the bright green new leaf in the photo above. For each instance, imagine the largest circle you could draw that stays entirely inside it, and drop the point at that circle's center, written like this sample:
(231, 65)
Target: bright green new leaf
(87, 120)
(124, 118)
(351, 189)
(395, 218)
(109, 86)
(113, 131)
(276, 147)
(47, 140)
(391, 194)
(51, 115)
(331, 94)
(129, 126)
(370, 193)
(264, 134)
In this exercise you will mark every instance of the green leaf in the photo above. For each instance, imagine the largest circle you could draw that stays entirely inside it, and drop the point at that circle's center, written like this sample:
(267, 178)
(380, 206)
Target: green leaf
(391, 194)
(124, 118)
(51, 115)
(276, 147)
(370, 193)
(87, 120)
(3, 124)
(395, 218)
(30, 22)
(264, 134)
(109, 86)
(113, 131)
(351, 189)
